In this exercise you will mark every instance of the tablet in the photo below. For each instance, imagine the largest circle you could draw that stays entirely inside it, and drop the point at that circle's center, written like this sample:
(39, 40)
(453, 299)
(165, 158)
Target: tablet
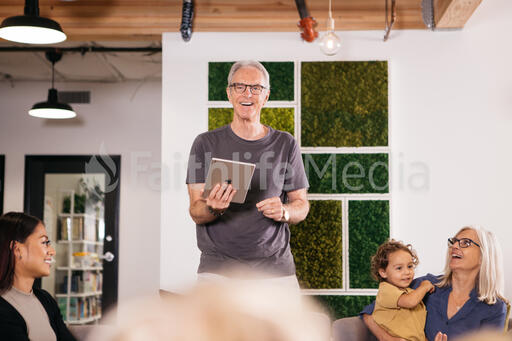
(238, 174)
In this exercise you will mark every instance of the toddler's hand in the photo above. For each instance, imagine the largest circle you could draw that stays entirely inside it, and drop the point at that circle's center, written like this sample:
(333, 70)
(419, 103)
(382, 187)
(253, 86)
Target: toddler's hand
(428, 285)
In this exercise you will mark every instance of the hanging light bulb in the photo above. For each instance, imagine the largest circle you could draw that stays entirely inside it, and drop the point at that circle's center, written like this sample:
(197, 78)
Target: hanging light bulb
(330, 43)
(52, 108)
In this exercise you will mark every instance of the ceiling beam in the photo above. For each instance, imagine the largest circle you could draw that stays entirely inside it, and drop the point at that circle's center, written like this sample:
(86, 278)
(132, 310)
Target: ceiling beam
(454, 13)
(144, 20)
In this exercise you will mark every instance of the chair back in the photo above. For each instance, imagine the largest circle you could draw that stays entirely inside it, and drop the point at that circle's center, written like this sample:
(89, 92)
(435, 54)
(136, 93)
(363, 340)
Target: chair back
(351, 329)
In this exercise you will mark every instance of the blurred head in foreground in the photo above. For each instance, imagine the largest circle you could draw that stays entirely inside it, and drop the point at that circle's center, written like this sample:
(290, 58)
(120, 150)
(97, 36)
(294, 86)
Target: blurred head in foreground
(234, 311)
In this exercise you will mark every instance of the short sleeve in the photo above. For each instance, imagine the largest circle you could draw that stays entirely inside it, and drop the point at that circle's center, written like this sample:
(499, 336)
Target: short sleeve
(388, 295)
(295, 177)
(196, 163)
(368, 310)
(430, 277)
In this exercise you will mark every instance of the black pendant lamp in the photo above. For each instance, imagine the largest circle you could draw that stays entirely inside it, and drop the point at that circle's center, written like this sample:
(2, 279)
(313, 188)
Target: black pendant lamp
(52, 108)
(30, 28)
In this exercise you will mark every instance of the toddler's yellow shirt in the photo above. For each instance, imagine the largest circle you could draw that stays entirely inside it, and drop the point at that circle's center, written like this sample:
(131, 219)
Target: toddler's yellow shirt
(405, 323)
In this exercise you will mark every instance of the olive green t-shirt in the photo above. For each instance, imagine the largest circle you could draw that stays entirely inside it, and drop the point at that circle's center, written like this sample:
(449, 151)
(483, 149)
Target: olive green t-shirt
(400, 322)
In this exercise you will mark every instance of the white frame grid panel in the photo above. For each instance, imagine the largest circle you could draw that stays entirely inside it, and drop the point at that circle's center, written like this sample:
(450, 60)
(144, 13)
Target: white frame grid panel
(343, 198)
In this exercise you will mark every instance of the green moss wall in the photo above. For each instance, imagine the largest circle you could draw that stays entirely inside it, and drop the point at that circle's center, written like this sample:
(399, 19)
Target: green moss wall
(277, 118)
(317, 246)
(344, 104)
(281, 80)
(347, 173)
(368, 228)
(344, 306)
(317, 243)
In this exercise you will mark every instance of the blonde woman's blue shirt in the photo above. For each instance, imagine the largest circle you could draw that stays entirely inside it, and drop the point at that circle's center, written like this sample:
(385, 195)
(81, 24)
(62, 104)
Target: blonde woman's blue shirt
(473, 315)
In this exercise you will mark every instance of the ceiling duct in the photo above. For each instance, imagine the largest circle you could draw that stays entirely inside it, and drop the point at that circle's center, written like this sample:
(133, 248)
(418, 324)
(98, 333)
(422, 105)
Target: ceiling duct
(307, 23)
(187, 16)
(427, 11)
(80, 97)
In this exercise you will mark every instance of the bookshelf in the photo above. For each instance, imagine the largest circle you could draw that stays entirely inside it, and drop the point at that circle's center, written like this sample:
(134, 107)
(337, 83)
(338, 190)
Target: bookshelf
(79, 270)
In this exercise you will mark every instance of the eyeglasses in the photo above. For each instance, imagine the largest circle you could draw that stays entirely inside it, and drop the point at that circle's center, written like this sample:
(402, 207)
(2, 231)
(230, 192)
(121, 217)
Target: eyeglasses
(463, 242)
(240, 88)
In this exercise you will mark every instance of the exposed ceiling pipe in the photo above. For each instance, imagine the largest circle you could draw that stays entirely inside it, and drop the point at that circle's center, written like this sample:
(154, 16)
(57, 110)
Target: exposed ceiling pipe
(187, 16)
(81, 49)
(307, 23)
(78, 49)
(389, 23)
(427, 12)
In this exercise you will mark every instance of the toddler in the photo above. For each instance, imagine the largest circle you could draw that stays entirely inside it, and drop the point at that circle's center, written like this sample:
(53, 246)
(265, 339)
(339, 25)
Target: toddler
(399, 309)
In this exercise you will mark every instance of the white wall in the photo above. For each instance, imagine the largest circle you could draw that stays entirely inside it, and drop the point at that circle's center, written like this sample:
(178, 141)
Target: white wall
(125, 119)
(450, 122)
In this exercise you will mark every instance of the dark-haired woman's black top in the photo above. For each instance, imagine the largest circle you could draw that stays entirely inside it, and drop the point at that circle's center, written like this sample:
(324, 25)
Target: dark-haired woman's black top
(14, 328)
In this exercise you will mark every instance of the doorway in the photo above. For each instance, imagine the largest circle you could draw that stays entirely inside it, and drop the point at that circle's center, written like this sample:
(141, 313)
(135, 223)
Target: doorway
(77, 197)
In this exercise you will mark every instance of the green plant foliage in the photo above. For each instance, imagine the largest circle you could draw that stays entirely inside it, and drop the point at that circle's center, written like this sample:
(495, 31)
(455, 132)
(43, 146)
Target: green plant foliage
(281, 80)
(79, 204)
(316, 246)
(344, 104)
(344, 306)
(217, 80)
(354, 173)
(277, 118)
(368, 228)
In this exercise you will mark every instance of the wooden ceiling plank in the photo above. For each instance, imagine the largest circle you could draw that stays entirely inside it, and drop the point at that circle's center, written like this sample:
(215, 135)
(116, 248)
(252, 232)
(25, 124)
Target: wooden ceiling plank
(454, 13)
(147, 19)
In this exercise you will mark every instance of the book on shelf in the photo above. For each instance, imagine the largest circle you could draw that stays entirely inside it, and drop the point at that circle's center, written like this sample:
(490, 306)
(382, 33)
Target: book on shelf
(88, 307)
(80, 308)
(78, 228)
(63, 306)
(92, 281)
(71, 228)
(73, 309)
(90, 229)
(83, 282)
(74, 284)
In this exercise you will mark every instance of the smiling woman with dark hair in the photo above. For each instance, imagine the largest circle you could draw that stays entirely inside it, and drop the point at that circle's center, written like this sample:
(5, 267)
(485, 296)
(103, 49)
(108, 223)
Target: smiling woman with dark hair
(27, 313)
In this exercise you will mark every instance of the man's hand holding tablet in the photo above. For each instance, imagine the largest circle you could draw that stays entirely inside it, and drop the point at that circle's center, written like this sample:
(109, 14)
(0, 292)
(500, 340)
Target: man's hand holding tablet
(219, 198)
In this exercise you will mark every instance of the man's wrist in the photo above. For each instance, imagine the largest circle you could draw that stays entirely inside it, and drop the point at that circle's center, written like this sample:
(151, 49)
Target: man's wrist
(214, 212)
(285, 214)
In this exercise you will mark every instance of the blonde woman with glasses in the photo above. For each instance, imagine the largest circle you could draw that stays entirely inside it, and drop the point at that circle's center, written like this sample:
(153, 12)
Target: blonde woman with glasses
(468, 296)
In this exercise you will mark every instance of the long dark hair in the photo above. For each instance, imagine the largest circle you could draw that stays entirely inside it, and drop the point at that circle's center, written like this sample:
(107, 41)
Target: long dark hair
(14, 226)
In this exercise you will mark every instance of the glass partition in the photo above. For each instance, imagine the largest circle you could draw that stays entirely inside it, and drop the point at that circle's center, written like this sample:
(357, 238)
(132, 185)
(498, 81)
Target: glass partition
(74, 210)
(77, 197)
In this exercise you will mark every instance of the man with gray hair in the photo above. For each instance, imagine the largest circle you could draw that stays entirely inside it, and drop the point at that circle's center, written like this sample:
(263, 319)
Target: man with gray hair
(253, 235)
